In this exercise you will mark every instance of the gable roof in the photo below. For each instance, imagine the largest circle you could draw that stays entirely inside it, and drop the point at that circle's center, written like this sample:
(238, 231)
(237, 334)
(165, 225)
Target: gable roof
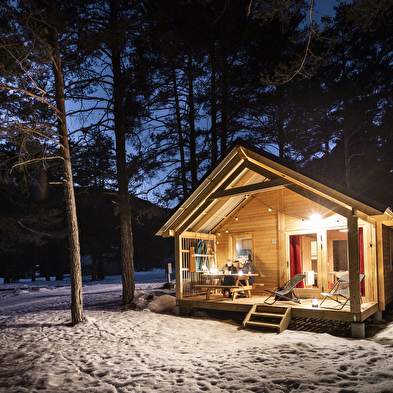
(246, 170)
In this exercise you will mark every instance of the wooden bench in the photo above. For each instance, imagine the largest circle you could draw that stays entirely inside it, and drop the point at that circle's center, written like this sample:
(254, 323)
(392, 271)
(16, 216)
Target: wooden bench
(231, 288)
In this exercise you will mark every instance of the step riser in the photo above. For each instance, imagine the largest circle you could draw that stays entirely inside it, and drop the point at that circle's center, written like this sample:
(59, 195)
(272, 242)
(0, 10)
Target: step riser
(263, 317)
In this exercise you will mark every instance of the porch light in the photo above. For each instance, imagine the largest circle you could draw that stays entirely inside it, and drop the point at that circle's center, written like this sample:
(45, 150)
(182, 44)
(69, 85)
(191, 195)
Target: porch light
(315, 217)
(314, 302)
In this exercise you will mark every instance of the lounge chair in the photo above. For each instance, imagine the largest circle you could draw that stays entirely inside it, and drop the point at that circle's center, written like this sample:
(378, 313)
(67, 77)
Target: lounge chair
(285, 290)
(339, 292)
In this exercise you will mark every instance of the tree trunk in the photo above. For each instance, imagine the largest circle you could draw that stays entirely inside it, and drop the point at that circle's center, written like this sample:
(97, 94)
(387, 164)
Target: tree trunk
(213, 106)
(126, 242)
(73, 235)
(224, 105)
(100, 270)
(191, 120)
(94, 267)
(179, 132)
(280, 123)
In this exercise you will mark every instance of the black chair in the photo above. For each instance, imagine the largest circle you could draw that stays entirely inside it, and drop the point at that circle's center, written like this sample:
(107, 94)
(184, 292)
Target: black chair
(285, 290)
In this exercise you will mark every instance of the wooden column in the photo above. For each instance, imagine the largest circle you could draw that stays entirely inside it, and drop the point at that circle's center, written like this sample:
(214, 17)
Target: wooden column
(178, 267)
(380, 267)
(354, 266)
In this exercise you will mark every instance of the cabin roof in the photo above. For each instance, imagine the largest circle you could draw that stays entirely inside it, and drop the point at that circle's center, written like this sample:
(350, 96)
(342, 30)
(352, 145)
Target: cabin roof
(246, 170)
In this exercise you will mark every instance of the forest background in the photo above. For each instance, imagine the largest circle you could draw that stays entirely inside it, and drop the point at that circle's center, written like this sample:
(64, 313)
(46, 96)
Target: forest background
(112, 111)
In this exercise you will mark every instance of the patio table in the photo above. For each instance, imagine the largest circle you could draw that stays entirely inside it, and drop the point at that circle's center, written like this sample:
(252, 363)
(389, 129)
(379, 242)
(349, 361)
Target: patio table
(235, 288)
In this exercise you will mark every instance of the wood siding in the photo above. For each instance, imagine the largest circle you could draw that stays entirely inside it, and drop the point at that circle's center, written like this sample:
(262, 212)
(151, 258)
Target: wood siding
(387, 234)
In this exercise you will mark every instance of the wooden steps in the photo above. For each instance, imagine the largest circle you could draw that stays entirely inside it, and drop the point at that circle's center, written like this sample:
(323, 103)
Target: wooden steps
(264, 317)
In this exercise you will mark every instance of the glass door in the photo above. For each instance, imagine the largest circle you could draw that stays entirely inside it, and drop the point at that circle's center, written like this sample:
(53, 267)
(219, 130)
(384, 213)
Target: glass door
(304, 258)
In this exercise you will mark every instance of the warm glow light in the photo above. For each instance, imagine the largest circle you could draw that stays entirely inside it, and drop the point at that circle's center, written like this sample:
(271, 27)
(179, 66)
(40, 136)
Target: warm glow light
(213, 270)
(219, 233)
(226, 231)
(314, 302)
(270, 209)
(315, 217)
(236, 218)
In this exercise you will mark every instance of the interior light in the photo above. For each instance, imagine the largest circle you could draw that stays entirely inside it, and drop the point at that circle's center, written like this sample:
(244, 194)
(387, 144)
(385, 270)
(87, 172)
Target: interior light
(270, 209)
(236, 218)
(226, 230)
(314, 302)
(219, 233)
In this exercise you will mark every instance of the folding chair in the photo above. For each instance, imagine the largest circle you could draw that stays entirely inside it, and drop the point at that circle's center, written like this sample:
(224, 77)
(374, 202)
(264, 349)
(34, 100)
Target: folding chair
(284, 291)
(340, 292)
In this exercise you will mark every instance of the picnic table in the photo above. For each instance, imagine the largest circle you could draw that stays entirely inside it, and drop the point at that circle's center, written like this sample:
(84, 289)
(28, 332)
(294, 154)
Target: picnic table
(234, 289)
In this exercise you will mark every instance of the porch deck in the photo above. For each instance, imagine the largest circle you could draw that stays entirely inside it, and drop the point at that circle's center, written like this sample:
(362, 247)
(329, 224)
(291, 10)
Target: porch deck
(303, 310)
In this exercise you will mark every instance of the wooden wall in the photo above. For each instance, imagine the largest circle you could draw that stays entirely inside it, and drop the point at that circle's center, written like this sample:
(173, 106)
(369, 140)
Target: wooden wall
(388, 263)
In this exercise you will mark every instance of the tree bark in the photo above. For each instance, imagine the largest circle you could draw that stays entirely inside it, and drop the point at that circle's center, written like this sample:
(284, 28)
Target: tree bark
(191, 120)
(179, 131)
(126, 238)
(73, 234)
(213, 106)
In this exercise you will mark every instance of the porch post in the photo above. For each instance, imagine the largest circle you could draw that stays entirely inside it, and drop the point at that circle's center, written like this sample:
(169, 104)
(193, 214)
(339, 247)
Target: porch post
(178, 267)
(357, 327)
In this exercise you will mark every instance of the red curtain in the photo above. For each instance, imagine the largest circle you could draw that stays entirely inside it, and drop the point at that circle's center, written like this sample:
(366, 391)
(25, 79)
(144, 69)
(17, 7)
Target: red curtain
(296, 257)
(361, 259)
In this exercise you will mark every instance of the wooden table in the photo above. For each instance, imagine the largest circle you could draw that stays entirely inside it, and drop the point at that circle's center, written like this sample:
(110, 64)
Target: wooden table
(235, 288)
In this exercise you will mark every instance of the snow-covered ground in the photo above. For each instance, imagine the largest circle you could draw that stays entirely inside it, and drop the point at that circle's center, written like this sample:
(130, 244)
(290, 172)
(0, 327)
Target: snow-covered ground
(151, 349)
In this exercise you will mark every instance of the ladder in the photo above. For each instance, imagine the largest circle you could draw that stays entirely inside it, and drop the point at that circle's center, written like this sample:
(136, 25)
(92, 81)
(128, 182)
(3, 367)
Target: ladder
(265, 317)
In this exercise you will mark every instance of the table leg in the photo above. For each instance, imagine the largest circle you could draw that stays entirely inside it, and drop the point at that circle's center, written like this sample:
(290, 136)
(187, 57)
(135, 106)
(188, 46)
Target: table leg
(248, 292)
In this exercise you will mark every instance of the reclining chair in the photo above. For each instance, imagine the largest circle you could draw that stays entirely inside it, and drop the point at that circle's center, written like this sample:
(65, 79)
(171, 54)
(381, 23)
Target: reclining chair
(285, 290)
(339, 292)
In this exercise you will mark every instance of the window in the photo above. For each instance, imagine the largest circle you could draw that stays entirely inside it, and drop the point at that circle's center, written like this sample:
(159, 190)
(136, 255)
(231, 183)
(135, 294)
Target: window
(340, 255)
(244, 247)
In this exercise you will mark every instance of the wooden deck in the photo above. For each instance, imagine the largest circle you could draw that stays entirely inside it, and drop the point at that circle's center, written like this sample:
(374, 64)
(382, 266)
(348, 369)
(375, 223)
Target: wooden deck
(304, 309)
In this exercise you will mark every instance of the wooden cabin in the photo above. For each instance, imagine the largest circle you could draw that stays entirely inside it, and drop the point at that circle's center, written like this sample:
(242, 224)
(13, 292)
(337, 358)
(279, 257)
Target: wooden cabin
(255, 205)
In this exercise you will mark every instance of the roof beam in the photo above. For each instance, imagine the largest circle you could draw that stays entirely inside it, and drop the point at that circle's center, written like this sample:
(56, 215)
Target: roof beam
(191, 218)
(203, 194)
(209, 215)
(250, 189)
(260, 170)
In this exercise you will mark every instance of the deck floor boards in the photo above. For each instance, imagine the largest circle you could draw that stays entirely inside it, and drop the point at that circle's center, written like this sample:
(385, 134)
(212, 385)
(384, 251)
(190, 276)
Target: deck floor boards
(302, 310)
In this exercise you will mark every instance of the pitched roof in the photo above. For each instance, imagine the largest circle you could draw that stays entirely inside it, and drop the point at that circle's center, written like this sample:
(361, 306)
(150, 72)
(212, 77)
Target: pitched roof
(246, 170)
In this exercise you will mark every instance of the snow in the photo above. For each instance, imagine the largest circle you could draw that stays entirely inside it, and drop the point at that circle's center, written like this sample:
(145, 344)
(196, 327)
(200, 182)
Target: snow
(152, 349)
